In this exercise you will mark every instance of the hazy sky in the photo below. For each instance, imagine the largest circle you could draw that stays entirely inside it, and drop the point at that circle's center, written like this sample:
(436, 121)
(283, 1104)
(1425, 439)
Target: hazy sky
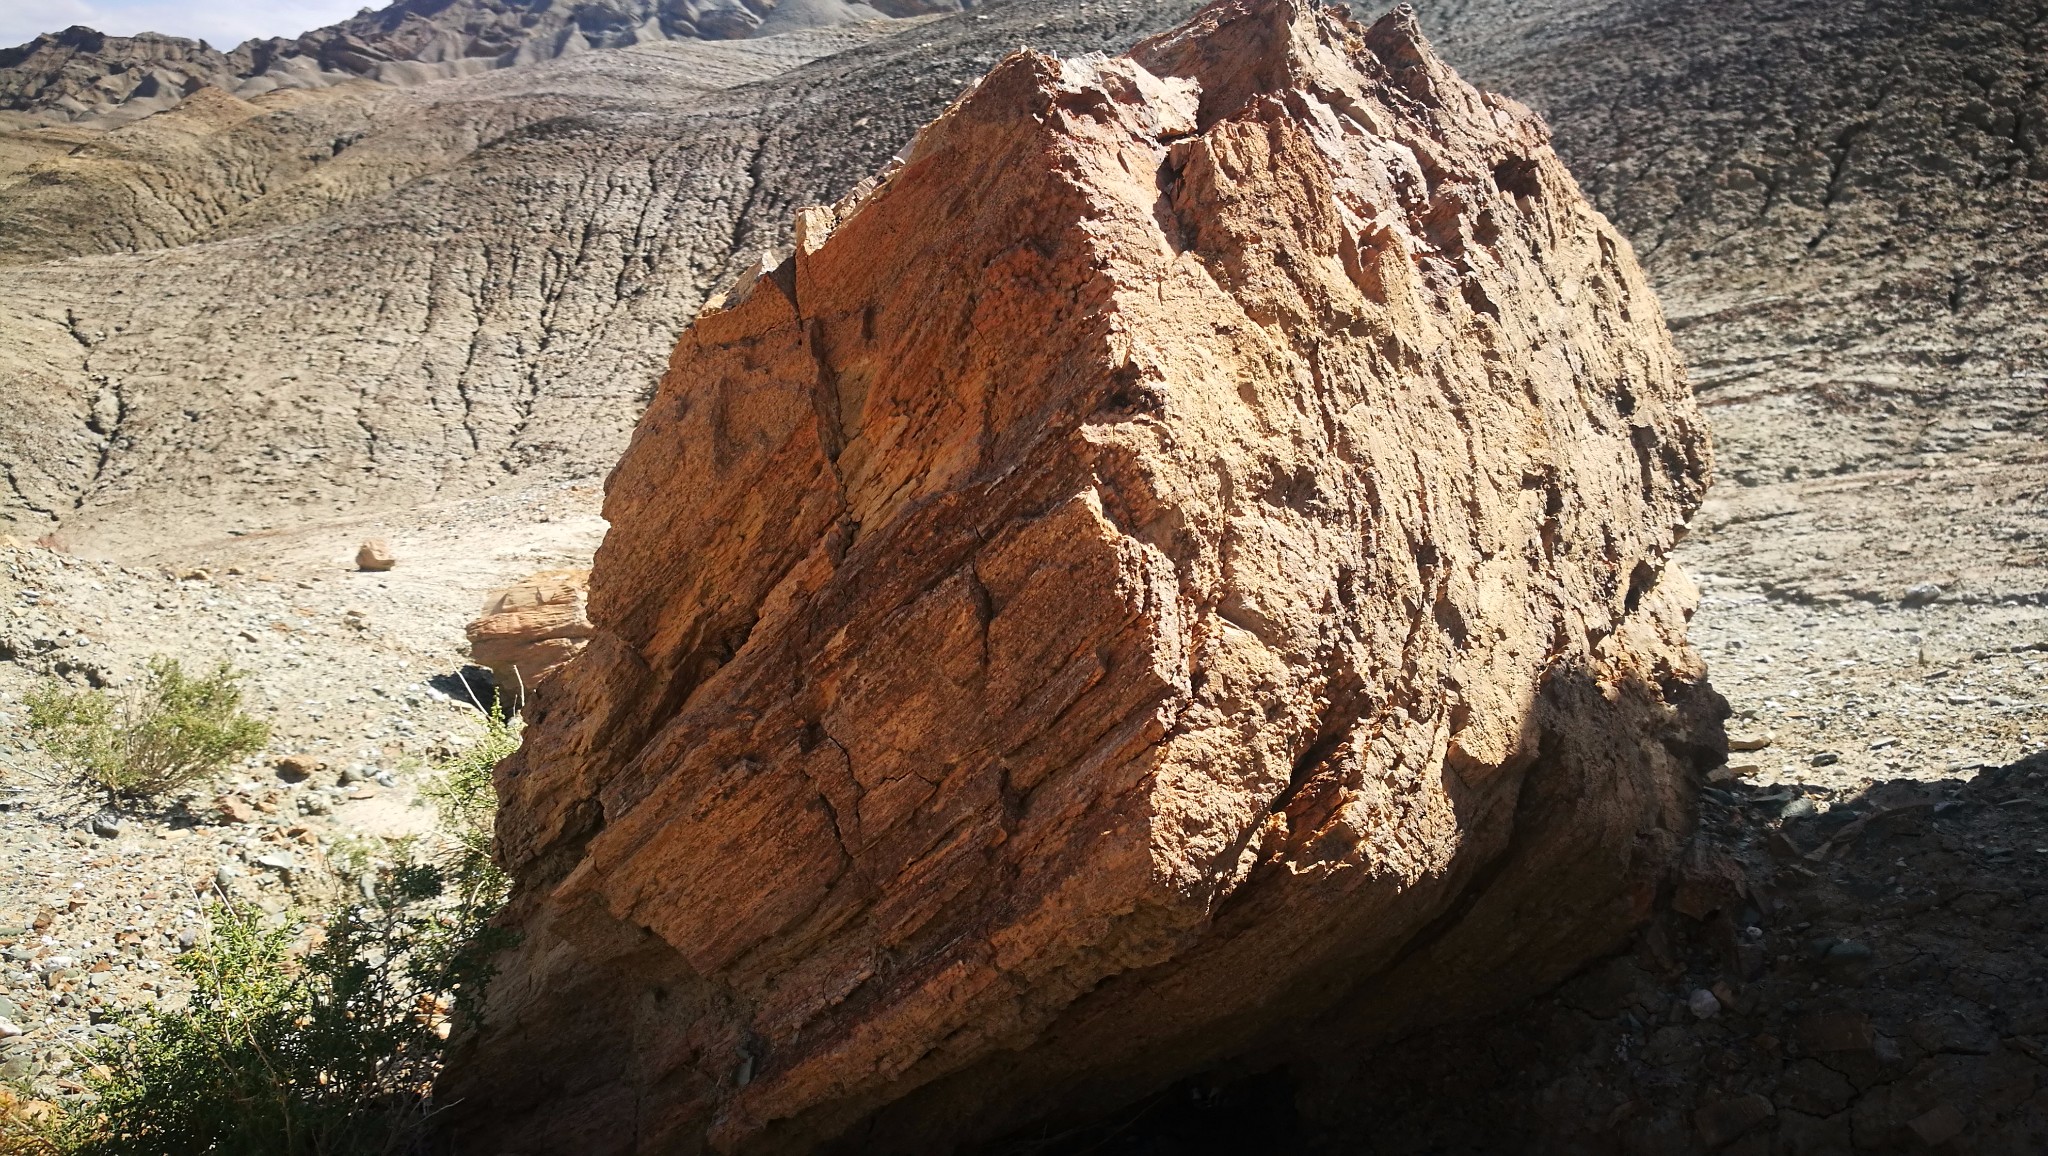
(222, 23)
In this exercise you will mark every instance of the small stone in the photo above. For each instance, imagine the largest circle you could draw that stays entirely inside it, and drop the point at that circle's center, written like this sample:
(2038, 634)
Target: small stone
(1826, 758)
(106, 824)
(1849, 961)
(297, 768)
(187, 938)
(1921, 594)
(1799, 809)
(275, 862)
(1751, 742)
(375, 556)
(1703, 1004)
(1938, 1125)
(1751, 961)
(235, 809)
(9, 1029)
(1951, 1033)
(1722, 1121)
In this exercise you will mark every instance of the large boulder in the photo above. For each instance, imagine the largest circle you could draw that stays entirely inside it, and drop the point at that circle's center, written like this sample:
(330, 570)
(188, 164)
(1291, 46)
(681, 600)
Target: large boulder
(530, 628)
(1177, 564)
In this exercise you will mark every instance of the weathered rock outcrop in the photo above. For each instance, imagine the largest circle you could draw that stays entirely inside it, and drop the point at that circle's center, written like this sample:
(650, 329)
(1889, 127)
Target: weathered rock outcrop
(82, 73)
(530, 628)
(79, 71)
(1180, 557)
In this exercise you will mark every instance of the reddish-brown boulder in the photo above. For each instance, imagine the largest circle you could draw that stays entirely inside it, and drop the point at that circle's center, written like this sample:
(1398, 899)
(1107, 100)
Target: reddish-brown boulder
(1178, 562)
(531, 627)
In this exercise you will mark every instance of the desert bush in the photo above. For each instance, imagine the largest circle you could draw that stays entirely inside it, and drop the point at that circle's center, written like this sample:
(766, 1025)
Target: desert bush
(327, 1050)
(173, 731)
(463, 794)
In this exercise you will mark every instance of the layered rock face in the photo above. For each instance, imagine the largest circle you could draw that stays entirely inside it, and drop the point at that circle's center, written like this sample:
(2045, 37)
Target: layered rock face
(1176, 565)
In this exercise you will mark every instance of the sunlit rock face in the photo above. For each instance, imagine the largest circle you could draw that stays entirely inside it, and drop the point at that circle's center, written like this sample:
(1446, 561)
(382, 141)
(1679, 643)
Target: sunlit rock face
(1176, 562)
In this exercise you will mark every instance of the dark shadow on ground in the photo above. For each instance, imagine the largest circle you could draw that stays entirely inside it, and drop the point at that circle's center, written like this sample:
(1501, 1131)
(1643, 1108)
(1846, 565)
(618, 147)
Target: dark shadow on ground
(1825, 974)
(472, 686)
(1212, 1115)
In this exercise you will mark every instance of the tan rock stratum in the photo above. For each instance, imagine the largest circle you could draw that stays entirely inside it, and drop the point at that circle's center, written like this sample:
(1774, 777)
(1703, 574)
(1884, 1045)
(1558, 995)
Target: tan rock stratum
(1178, 562)
(529, 629)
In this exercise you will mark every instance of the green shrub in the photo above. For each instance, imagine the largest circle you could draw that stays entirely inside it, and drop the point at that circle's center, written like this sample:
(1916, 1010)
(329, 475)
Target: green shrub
(467, 801)
(331, 1051)
(172, 732)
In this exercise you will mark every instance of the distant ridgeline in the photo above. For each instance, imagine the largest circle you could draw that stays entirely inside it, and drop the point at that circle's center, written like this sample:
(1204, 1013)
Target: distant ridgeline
(80, 73)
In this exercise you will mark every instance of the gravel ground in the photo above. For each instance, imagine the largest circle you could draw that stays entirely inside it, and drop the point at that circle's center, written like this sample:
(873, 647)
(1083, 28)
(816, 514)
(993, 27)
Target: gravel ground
(353, 672)
(1854, 694)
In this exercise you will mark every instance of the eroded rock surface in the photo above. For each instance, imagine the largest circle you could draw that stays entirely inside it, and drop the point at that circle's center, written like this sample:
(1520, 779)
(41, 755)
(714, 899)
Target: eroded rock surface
(1182, 553)
(364, 297)
(82, 74)
(530, 628)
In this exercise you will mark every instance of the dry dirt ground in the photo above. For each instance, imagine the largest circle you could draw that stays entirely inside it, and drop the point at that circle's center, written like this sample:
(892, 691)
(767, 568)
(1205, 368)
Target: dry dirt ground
(1841, 203)
(354, 670)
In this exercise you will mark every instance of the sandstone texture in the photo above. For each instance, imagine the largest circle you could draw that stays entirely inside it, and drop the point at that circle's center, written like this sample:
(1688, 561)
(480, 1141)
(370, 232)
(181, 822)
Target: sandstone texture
(1842, 207)
(1183, 554)
(375, 556)
(530, 628)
